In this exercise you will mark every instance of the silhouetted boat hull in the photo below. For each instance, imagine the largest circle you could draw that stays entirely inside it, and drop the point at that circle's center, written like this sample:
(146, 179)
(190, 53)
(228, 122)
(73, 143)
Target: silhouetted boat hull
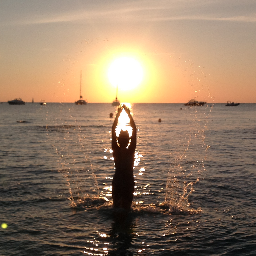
(229, 103)
(116, 102)
(81, 102)
(195, 103)
(16, 102)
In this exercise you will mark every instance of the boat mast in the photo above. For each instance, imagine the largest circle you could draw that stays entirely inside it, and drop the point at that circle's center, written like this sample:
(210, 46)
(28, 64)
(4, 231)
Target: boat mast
(116, 91)
(81, 85)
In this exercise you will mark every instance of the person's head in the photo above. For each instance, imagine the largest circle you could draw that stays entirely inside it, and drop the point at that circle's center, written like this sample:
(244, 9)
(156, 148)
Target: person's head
(123, 139)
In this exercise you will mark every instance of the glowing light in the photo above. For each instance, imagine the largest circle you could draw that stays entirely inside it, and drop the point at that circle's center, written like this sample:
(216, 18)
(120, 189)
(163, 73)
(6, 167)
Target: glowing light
(125, 73)
(123, 124)
(4, 225)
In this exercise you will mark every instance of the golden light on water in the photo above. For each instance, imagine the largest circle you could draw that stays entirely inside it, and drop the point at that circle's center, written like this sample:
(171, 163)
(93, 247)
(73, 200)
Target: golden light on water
(126, 73)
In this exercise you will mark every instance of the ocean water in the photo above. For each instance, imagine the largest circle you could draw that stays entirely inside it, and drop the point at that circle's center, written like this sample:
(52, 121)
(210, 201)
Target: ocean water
(195, 178)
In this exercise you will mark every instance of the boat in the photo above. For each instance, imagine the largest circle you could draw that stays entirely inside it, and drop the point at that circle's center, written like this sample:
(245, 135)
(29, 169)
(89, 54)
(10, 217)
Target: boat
(194, 102)
(116, 102)
(43, 103)
(81, 101)
(17, 101)
(229, 103)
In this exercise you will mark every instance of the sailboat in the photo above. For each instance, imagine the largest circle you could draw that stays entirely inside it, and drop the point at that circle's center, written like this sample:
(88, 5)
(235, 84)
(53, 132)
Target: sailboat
(81, 101)
(116, 102)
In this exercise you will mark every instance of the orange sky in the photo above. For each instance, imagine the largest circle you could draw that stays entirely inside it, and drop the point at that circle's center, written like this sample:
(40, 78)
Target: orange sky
(195, 50)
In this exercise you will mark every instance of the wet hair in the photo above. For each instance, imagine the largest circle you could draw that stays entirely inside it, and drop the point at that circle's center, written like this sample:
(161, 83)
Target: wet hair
(124, 134)
(123, 138)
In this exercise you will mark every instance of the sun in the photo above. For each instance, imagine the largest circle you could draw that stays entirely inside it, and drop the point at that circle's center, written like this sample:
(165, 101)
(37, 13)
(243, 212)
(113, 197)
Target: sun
(126, 73)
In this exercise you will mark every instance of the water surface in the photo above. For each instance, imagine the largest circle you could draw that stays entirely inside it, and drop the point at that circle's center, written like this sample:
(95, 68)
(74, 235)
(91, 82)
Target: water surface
(57, 167)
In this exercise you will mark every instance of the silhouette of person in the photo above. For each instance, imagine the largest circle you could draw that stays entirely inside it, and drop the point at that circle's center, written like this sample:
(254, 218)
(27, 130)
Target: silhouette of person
(123, 153)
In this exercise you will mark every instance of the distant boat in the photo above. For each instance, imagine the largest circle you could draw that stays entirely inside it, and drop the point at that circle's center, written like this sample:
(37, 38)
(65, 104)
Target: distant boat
(32, 100)
(81, 101)
(43, 103)
(116, 102)
(195, 103)
(17, 101)
(229, 103)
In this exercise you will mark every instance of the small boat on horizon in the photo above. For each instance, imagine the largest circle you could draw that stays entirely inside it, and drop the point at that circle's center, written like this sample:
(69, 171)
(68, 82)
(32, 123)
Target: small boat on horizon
(17, 101)
(81, 101)
(229, 103)
(194, 102)
(116, 102)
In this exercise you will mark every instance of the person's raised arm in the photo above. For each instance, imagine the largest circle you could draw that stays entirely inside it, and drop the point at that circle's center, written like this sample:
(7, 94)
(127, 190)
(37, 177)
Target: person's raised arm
(134, 131)
(114, 143)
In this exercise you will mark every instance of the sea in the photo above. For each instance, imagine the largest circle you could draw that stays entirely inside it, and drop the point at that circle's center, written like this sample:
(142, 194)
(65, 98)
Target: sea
(194, 168)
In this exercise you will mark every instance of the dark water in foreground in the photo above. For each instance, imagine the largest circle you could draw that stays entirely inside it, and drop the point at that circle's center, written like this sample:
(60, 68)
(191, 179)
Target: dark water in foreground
(56, 169)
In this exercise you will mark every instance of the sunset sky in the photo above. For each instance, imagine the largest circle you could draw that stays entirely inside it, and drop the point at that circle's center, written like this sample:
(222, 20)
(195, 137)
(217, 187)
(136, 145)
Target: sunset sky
(188, 49)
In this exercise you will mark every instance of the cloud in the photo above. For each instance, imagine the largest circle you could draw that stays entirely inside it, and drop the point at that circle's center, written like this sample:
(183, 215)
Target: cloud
(141, 11)
(249, 19)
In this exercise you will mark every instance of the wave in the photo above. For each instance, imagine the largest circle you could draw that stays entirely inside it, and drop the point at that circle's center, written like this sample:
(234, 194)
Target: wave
(23, 122)
(58, 128)
(100, 203)
(83, 203)
(23, 202)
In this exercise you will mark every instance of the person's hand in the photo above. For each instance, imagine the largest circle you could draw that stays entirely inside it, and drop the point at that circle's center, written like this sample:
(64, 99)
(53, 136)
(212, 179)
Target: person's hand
(126, 109)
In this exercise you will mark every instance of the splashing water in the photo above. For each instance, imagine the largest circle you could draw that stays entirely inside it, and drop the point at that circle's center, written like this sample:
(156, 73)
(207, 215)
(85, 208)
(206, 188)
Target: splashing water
(72, 143)
(189, 167)
(86, 163)
(82, 142)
